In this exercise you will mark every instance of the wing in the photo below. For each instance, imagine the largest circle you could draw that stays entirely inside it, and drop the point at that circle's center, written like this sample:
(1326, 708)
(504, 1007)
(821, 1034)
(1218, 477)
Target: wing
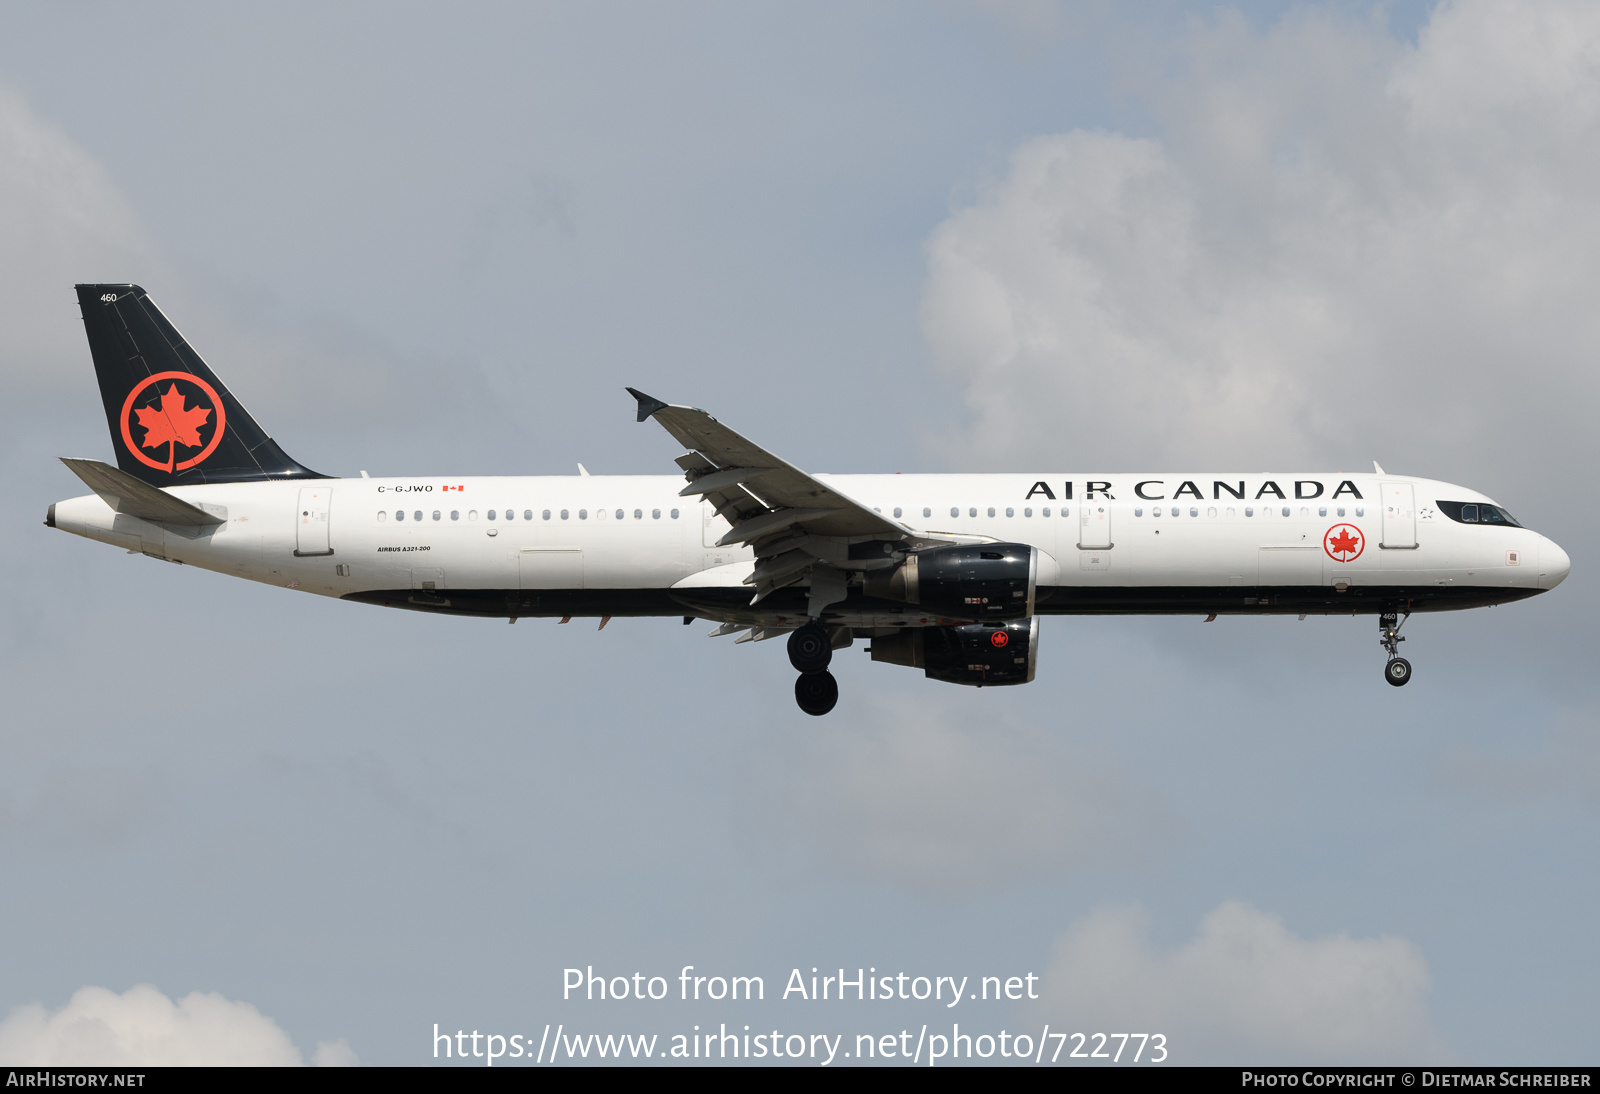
(800, 528)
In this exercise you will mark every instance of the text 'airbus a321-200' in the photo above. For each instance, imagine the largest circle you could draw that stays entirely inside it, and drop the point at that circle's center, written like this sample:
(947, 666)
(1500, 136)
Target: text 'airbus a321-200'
(945, 573)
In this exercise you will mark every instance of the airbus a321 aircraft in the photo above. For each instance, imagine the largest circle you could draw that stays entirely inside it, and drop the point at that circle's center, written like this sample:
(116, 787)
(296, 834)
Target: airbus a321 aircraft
(945, 573)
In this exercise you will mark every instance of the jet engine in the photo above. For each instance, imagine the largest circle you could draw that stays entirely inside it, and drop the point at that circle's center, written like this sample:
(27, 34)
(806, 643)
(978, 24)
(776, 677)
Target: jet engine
(978, 581)
(977, 654)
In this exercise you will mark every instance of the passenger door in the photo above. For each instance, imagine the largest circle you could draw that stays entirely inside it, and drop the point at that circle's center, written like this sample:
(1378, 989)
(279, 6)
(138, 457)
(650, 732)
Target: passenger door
(1399, 517)
(311, 522)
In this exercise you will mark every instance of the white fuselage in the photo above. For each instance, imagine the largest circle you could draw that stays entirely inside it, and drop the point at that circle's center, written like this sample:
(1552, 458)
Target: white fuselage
(344, 537)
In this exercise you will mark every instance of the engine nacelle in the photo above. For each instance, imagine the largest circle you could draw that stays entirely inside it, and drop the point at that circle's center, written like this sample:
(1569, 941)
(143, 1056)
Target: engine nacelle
(974, 581)
(977, 654)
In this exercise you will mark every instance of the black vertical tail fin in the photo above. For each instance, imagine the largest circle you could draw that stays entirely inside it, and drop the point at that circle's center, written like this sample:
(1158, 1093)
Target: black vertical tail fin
(172, 421)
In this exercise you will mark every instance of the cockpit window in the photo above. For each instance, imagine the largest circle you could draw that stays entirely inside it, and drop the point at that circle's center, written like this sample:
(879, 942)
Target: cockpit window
(1467, 512)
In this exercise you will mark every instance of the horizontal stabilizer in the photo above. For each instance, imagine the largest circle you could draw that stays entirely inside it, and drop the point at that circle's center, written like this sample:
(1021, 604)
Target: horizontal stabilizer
(126, 494)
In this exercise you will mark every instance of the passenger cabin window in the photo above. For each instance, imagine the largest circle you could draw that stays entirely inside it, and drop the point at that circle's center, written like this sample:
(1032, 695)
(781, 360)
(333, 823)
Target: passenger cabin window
(1475, 513)
(1045, 512)
(1137, 511)
(1064, 511)
(972, 512)
(399, 514)
(927, 512)
(638, 514)
(455, 514)
(674, 514)
(1285, 510)
(1194, 510)
(583, 514)
(1249, 511)
(1339, 511)
(954, 512)
(1322, 510)
(491, 514)
(417, 515)
(1211, 512)
(563, 514)
(1027, 512)
(383, 514)
(436, 514)
(546, 514)
(655, 514)
(1174, 510)
(991, 510)
(527, 514)
(619, 514)
(1009, 512)
(897, 511)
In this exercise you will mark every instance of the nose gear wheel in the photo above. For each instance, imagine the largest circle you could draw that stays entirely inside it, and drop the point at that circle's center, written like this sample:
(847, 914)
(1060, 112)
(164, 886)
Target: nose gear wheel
(1398, 671)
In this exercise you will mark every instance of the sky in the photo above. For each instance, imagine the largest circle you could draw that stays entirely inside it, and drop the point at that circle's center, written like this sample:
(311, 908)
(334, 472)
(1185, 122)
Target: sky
(243, 824)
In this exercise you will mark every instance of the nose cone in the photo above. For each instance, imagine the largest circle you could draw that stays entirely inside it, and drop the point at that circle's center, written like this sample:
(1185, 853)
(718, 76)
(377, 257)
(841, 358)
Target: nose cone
(1553, 565)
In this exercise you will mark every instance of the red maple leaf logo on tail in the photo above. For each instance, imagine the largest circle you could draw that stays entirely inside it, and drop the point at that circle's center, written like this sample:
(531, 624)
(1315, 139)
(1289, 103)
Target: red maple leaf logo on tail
(171, 423)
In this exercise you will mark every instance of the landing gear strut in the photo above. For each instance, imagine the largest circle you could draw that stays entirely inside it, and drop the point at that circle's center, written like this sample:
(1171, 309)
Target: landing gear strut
(1398, 670)
(810, 651)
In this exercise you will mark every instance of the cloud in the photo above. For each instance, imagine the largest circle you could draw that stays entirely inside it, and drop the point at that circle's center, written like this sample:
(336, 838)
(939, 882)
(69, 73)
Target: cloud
(63, 222)
(143, 1028)
(1338, 247)
(1244, 989)
(922, 796)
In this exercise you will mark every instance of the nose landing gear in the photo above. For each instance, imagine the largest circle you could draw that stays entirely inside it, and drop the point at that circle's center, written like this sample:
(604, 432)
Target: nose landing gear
(1398, 670)
(810, 651)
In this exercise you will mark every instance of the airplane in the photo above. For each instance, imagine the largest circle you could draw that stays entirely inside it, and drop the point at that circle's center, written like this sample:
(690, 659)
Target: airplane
(945, 573)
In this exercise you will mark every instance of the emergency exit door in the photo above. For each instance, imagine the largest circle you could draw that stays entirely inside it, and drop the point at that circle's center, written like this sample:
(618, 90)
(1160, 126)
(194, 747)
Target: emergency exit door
(1094, 526)
(311, 522)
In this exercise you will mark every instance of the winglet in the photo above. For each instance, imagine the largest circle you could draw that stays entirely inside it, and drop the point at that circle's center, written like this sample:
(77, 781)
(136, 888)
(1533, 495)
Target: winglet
(1375, 466)
(647, 405)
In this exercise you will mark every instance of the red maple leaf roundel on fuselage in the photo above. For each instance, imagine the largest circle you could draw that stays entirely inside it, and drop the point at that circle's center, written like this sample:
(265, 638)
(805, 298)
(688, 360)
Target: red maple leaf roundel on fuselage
(1344, 542)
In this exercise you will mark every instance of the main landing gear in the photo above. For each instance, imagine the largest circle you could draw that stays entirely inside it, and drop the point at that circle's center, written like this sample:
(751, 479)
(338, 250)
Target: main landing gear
(810, 651)
(1398, 670)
